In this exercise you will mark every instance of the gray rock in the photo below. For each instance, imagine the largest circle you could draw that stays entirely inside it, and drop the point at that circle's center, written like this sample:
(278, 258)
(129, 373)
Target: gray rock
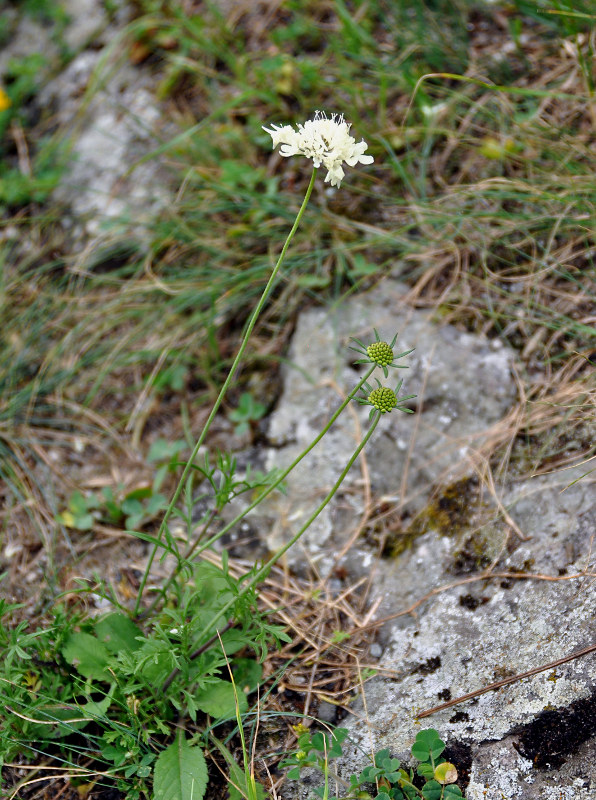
(107, 109)
(475, 631)
(87, 24)
(87, 20)
(534, 738)
(27, 36)
(326, 712)
(463, 385)
(110, 133)
(375, 650)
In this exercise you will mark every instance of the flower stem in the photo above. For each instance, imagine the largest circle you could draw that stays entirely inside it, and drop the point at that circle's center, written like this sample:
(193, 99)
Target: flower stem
(259, 499)
(260, 574)
(223, 391)
(264, 570)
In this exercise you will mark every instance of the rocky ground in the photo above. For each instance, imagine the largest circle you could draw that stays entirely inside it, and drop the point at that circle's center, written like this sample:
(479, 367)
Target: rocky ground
(460, 616)
(480, 574)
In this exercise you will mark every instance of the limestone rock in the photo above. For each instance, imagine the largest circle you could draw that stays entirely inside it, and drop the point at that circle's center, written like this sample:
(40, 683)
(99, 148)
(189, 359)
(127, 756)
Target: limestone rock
(115, 129)
(534, 738)
(463, 385)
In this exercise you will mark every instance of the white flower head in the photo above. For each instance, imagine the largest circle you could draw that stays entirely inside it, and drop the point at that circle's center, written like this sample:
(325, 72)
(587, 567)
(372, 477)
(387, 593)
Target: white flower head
(326, 141)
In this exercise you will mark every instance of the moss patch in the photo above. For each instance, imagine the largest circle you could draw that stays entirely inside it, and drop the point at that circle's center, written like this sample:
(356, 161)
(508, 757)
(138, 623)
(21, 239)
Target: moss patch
(462, 512)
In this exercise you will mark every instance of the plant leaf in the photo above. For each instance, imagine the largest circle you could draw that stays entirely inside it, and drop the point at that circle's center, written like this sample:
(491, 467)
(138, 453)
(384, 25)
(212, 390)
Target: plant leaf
(248, 673)
(427, 744)
(432, 790)
(69, 718)
(452, 792)
(425, 770)
(238, 781)
(381, 756)
(117, 632)
(218, 700)
(180, 772)
(446, 773)
(88, 655)
(164, 450)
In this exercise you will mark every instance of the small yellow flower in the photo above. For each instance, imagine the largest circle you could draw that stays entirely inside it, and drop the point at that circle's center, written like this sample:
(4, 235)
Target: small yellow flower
(5, 101)
(299, 729)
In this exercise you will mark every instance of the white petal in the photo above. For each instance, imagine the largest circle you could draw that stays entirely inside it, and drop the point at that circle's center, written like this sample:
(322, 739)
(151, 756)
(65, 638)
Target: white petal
(287, 150)
(353, 160)
(335, 175)
(281, 133)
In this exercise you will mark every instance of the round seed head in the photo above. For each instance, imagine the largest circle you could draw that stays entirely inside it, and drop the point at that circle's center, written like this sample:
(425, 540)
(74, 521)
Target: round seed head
(381, 353)
(383, 399)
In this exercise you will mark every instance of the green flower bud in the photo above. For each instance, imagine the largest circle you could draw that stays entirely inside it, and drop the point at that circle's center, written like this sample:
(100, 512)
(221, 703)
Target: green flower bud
(383, 399)
(380, 352)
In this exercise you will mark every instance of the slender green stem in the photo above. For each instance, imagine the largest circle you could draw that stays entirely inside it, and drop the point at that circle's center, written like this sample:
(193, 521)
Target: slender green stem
(249, 776)
(223, 390)
(326, 775)
(261, 573)
(261, 497)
